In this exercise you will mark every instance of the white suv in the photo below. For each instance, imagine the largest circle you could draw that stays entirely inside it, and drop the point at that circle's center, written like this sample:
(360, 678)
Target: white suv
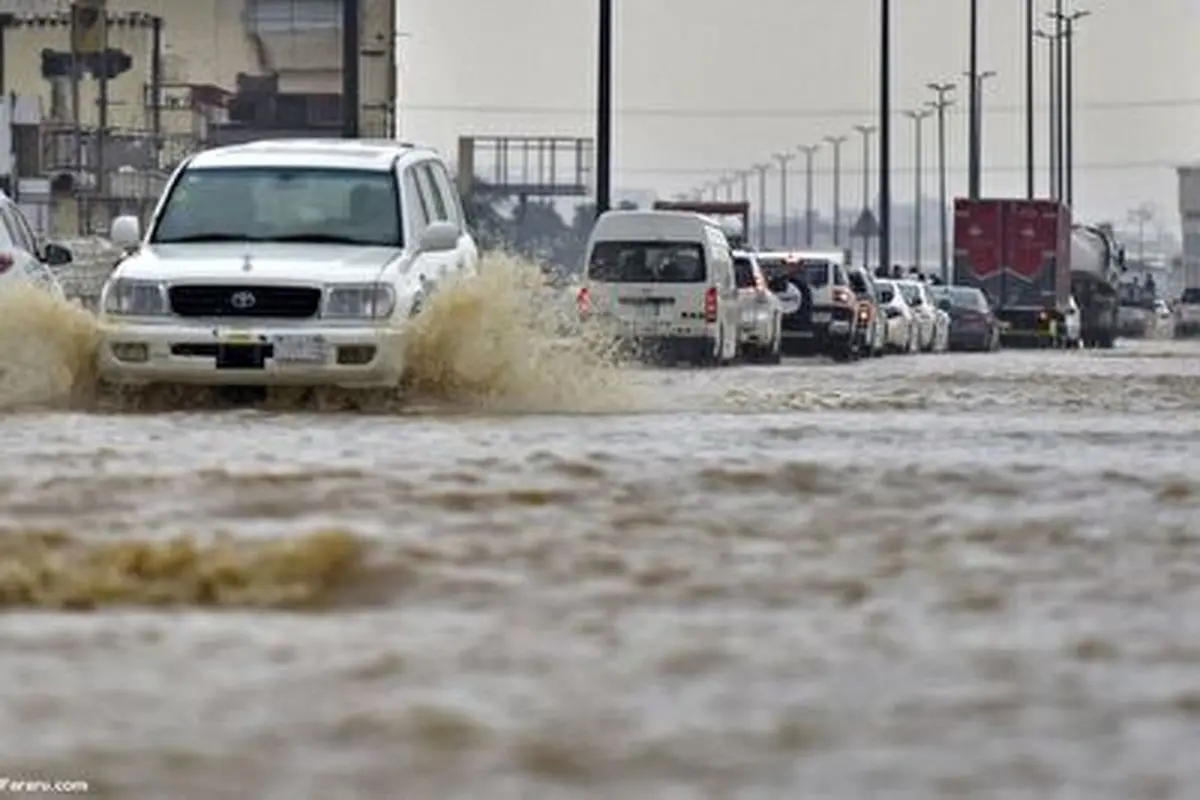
(292, 262)
(1187, 313)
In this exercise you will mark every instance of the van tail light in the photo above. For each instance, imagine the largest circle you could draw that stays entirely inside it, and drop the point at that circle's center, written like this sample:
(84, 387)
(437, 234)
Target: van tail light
(760, 288)
(864, 313)
(6, 263)
(583, 301)
(843, 296)
(711, 304)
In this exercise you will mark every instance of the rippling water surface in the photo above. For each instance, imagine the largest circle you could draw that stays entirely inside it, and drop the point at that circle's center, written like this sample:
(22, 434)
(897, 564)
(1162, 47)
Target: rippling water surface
(931, 576)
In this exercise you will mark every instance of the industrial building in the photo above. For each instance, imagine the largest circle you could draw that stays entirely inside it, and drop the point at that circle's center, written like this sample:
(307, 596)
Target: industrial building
(102, 98)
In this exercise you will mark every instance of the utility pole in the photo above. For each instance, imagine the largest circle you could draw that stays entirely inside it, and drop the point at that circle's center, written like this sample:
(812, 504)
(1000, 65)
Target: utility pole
(809, 150)
(918, 117)
(973, 111)
(885, 132)
(101, 77)
(351, 88)
(1029, 68)
(604, 108)
(866, 131)
(836, 143)
(976, 127)
(744, 178)
(1060, 34)
(762, 170)
(783, 159)
(1068, 157)
(1052, 43)
(943, 101)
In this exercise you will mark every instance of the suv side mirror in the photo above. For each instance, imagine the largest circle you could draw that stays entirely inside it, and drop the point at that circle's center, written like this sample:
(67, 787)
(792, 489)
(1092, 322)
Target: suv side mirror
(56, 255)
(438, 237)
(126, 232)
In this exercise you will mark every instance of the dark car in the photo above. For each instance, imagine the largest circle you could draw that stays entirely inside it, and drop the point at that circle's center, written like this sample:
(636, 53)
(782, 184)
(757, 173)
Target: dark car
(973, 325)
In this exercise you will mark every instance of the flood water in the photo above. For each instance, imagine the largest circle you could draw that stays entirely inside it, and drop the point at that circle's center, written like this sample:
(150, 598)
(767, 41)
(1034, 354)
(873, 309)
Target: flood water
(918, 577)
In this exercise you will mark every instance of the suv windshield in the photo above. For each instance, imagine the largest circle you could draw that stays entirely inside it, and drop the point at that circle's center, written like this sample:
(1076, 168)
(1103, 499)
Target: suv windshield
(814, 273)
(1191, 296)
(299, 204)
(743, 272)
(647, 262)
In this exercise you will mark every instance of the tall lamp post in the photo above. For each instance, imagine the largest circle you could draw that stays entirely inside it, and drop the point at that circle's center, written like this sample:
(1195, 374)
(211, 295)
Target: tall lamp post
(809, 150)
(885, 132)
(1030, 26)
(762, 170)
(1068, 103)
(866, 131)
(974, 145)
(836, 143)
(1052, 45)
(975, 127)
(918, 117)
(939, 105)
(783, 159)
(604, 86)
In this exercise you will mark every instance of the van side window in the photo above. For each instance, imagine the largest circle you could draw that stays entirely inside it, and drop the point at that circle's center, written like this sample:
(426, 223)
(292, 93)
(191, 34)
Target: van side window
(429, 188)
(25, 234)
(441, 180)
(10, 235)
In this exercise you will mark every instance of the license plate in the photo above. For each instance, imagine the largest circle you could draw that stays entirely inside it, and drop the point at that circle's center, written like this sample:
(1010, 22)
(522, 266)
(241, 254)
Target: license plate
(300, 349)
(822, 316)
(227, 336)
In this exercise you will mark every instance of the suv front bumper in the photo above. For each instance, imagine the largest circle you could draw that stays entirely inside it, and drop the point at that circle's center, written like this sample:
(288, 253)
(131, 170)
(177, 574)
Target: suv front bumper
(145, 352)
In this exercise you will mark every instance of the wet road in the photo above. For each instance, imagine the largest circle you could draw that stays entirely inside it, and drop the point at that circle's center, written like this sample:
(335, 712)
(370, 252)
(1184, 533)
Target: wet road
(931, 576)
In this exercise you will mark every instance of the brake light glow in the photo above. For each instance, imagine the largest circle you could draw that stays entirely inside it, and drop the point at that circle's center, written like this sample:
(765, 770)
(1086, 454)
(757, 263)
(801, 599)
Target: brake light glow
(864, 313)
(583, 301)
(711, 304)
(843, 296)
(6, 263)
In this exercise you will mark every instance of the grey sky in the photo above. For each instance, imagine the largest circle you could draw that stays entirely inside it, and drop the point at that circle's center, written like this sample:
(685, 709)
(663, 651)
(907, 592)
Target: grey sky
(806, 56)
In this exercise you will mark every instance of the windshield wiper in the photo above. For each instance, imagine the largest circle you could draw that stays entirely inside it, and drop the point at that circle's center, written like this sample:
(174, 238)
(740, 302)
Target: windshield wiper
(208, 237)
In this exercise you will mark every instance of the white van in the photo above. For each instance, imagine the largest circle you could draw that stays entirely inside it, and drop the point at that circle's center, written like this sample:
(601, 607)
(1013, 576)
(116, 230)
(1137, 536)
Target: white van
(665, 280)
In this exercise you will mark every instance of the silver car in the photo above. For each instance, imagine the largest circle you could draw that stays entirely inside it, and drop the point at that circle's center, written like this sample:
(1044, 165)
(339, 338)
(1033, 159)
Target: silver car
(761, 328)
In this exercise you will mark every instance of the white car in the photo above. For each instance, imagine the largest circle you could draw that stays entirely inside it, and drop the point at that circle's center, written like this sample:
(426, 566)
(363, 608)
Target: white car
(762, 312)
(902, 328)
(23, 259)
(1073, 322)
(291, 262)
(933, 324)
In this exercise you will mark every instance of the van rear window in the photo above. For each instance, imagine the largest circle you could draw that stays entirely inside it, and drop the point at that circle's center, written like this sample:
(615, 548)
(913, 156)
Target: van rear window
(647, 262)
(814, 273)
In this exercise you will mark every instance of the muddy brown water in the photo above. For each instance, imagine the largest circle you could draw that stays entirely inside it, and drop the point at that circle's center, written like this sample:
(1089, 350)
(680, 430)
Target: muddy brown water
(919, 577)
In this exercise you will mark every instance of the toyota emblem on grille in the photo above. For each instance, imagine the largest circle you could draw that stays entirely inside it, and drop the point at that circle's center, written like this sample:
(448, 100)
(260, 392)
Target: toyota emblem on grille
(242, 300)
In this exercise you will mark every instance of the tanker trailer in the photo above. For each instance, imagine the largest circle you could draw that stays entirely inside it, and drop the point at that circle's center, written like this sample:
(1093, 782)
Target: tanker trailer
(1097, 262)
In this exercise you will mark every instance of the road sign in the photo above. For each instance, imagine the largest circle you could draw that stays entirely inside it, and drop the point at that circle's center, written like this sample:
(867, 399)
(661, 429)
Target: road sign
(866, 226)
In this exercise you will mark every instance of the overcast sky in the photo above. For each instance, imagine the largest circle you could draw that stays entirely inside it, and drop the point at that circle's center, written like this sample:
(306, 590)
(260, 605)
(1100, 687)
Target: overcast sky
(704, 87)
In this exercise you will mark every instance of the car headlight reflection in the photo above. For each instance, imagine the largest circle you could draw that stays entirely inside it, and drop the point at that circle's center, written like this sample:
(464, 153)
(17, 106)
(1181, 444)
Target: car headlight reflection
(135, 298)
(360, 301)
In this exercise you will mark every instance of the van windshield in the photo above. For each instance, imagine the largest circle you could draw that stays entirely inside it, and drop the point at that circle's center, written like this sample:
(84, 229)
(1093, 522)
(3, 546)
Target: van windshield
(647, 262)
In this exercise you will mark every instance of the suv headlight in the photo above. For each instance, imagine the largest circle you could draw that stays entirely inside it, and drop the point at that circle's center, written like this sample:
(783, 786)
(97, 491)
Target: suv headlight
(359, 301)
(135, 298)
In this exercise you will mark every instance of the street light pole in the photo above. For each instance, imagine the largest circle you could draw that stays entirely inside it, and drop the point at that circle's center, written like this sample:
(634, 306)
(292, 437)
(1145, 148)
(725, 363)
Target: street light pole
(783, 159)
(943, 101)
(1029, 68)
(976, 127)
(973, 111)
(809, 150)
(918, 117)
(1058, 15)
(743, 177)
(885, 132)
(1069, 104)
(762, 170)
(604, 87)
(1052, 43)
(866, 131)
(836, 143)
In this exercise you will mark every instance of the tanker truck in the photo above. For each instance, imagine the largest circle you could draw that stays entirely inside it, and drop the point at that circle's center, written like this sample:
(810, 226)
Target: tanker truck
(1097, 262)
